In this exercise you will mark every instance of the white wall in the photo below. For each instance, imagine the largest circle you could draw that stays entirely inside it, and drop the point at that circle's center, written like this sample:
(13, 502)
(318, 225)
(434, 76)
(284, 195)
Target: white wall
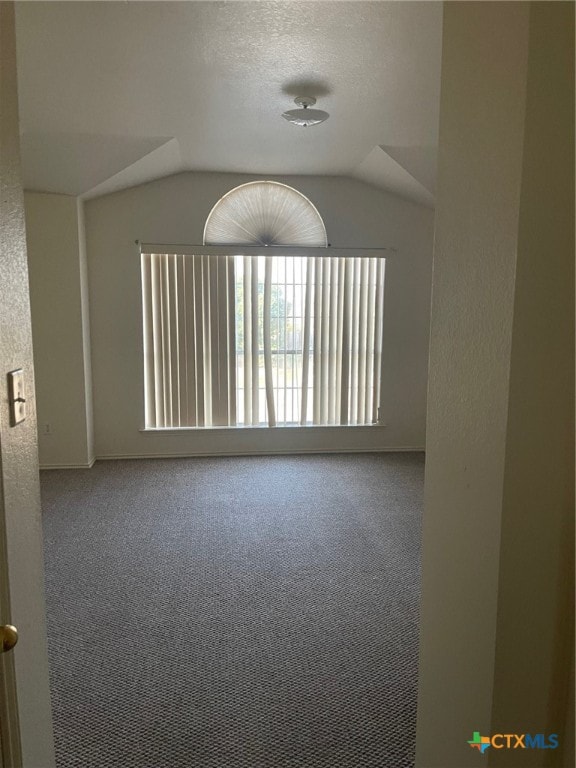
(497, 578)
(174, 210)
(60, 328)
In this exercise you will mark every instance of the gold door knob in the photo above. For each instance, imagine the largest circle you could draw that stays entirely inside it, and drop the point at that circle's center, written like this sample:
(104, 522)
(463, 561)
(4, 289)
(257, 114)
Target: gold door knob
(8, 637)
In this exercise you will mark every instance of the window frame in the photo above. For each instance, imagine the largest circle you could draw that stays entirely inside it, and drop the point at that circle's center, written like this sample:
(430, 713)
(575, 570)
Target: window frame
(267, 250)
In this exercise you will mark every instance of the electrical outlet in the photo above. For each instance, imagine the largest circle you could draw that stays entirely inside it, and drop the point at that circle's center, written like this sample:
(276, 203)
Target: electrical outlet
(47, 430)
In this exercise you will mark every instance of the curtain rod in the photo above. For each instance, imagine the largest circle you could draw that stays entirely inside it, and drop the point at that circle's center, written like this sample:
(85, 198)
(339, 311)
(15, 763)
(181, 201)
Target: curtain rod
(265, 250)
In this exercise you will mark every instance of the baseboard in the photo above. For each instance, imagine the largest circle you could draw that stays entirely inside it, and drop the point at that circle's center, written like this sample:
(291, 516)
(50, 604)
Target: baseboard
(292, 452)
(88, 465)
(213, 454)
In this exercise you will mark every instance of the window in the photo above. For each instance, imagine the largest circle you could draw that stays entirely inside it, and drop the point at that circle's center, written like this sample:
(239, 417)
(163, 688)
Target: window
(254, 340)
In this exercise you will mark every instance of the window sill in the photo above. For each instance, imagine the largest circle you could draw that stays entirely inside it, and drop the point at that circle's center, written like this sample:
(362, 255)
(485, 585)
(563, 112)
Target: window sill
(250, 430)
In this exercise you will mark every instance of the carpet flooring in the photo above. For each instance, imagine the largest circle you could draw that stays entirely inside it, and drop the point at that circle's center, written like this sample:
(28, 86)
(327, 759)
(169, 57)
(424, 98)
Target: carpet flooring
(234, 612)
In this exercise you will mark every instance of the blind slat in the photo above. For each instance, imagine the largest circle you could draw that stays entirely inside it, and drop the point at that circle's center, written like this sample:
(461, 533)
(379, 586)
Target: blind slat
(354, 346)
(188, 292)
(247, 337)
(156, 284)
(174, 341)
(306, 339)
(333, 340)
(255, 345)
(371, 290)
(317, 360)
(267, 343)
(346, 326)
(148, 340)
(200, 361)
(230, 362)
(379, 326)
(339, 340)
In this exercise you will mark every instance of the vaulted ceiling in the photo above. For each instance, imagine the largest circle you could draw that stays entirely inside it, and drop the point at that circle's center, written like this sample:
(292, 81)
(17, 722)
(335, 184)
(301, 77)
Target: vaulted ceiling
(116, 93)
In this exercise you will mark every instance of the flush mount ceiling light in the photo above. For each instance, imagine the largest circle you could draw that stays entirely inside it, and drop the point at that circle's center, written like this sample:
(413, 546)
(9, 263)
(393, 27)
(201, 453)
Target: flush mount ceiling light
(305, 116)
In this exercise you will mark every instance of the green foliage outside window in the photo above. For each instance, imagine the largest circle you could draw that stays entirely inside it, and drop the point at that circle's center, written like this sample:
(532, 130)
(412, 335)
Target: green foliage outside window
(279, 325)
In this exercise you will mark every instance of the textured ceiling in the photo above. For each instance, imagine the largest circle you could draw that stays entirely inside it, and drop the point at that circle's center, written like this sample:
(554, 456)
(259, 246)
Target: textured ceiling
(115, 93)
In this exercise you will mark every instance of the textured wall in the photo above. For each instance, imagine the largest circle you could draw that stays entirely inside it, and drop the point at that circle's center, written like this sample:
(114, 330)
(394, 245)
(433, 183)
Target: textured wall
(536, 580)
(174, 210)
(499, 465)
(480, 166)
(20, 497)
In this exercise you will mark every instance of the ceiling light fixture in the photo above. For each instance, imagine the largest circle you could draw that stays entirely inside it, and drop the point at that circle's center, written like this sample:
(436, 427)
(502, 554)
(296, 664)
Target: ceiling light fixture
(305, 116)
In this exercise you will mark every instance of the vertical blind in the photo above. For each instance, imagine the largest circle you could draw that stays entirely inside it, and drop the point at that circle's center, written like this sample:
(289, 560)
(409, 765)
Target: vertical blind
(189, 340)
(261, 340)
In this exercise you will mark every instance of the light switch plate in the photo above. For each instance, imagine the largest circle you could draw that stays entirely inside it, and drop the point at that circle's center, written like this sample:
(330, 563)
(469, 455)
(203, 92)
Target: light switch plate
(16, 397)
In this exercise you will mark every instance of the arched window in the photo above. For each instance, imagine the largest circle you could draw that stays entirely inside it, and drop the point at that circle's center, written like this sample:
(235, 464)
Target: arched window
(244, 331)
(265, 213)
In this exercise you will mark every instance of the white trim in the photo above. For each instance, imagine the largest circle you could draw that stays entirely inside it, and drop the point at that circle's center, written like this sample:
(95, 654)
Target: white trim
(296, 428)
(215, 454)
(284, 452)
(88, 465)
(265, 250)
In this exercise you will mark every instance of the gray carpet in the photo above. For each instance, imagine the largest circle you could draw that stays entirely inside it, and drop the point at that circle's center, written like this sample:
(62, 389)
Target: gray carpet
(234, 612)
